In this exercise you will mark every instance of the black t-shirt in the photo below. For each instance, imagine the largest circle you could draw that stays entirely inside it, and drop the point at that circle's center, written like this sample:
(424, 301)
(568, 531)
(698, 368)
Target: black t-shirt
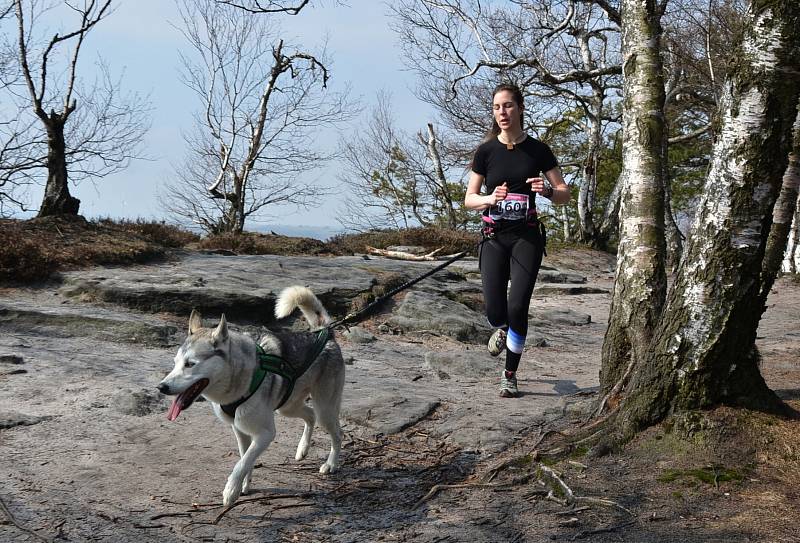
(497, 164)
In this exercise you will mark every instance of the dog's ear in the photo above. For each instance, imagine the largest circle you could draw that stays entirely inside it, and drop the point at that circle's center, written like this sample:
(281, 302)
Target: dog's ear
(195, 322)
(221, 332)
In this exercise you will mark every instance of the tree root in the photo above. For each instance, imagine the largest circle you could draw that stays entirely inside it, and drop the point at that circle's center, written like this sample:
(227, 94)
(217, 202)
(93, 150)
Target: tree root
(616, 389)
(258, 499)
(555, 488)
(587, 533)
(477, 484)
(559, 487)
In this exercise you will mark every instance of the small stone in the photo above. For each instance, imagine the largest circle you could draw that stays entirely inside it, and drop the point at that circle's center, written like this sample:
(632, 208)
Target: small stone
(12, 419)
(138, 403)
(356, 334)
(10, 359)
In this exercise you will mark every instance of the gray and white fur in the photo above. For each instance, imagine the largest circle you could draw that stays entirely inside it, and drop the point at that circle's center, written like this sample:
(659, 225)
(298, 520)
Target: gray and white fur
(224, 361)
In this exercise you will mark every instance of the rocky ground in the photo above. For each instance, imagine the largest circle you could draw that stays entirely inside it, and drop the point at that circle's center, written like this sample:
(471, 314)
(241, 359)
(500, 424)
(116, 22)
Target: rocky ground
(86, 452)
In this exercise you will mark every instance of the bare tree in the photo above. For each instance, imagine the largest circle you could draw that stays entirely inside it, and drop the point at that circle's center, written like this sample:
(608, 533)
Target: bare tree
(397, 180)
(8, 63)
(262, 108)
(88, 133)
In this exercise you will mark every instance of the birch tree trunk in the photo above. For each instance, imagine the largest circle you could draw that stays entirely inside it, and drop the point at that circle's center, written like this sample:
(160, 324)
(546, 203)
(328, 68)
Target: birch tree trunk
(674, 243)
(609, 226)
(782, 245)
(565, 224)
(586, 195)
(782, 216)
(790, 259)
(640, 282)
(703, 352)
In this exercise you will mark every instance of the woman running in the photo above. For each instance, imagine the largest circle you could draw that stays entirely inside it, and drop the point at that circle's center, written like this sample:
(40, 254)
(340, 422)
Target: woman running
(509, 163)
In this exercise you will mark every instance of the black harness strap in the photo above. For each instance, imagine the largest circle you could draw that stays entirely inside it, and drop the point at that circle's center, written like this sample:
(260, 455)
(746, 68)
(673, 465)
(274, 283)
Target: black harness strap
(270, 363)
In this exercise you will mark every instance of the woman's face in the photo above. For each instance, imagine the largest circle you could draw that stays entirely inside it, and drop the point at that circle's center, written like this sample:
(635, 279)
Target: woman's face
(506, 110)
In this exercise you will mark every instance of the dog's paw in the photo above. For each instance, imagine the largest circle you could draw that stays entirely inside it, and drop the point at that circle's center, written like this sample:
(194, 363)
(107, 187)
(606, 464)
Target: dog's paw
(327, 468)
(230, 494)
(302, 451)
(246, 484)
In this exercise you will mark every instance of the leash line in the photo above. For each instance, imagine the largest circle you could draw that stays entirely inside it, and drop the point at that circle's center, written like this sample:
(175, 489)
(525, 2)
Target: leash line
(351, 318)
(269, 363)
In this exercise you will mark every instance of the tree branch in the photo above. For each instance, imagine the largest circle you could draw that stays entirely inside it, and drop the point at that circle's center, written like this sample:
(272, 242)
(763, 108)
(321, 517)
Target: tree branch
(256, 6)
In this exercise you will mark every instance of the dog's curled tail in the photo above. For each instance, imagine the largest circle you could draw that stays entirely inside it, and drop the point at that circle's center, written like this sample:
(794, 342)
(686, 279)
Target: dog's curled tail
(309, 304)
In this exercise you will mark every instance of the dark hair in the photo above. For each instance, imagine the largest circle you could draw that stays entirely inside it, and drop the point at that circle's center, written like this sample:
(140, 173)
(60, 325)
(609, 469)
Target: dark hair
(518, 98)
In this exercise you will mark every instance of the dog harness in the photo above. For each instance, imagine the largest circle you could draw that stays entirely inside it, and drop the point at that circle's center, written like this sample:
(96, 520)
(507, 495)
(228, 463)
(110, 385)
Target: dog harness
(271, 363)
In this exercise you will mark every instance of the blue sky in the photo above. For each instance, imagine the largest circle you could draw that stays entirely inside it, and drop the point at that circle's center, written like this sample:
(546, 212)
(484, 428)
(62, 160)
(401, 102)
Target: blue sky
(141, 38)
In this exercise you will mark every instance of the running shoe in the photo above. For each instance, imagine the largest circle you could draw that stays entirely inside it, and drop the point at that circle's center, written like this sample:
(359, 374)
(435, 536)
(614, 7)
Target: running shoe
(497, 342)
(508, 385)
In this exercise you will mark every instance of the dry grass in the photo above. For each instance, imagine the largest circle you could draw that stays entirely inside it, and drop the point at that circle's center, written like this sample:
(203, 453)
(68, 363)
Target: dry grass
(252, 243)
(35, 249)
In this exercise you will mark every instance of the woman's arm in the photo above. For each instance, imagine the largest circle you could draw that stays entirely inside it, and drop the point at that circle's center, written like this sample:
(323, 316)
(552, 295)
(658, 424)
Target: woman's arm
(474, 199)
(557, 192)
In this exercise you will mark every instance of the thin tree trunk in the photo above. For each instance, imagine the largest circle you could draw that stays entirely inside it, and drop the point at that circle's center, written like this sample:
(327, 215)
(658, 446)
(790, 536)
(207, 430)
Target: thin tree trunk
(440, 180)
(703, 352)
(586, 193)
(57, 199)
(782, 217)
(565, 224)
(673, 233)
(790, 259)
(640, 282)
(609, 226)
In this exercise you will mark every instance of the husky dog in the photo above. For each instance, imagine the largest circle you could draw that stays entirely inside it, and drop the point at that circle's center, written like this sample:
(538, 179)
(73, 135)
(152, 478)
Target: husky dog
(219, 364)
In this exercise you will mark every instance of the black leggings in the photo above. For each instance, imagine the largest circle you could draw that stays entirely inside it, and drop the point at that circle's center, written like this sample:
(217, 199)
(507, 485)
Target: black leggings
(514, 254)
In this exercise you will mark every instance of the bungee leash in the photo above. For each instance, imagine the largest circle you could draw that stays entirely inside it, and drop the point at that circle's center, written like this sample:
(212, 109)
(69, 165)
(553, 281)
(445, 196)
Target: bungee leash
(351, 318)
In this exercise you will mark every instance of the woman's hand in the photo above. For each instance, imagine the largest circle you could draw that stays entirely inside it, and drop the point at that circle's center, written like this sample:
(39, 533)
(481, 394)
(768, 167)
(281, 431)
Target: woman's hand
(499, 194)
(538, 186)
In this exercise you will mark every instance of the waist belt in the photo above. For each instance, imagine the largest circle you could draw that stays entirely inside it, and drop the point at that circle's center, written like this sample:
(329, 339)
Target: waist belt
(491, 228)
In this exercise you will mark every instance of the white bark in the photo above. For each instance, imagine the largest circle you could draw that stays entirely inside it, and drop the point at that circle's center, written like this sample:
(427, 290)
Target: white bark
(640, 282)
(791, 182)
(709, 291)
(791, 260)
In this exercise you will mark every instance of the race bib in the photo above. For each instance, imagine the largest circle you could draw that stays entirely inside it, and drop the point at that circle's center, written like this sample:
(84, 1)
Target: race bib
(513, 208)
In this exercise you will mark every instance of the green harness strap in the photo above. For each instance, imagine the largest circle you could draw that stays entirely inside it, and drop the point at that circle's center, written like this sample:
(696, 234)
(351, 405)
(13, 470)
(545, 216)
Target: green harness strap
(271, 363)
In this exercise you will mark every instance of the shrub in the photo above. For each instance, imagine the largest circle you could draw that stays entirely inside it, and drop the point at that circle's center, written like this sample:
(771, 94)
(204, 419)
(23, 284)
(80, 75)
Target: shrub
(159, 232)
(21, 259)
(253, 243)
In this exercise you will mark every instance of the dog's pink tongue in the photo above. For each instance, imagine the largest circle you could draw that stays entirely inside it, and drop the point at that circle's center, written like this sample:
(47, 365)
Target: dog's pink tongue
(175, 408)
